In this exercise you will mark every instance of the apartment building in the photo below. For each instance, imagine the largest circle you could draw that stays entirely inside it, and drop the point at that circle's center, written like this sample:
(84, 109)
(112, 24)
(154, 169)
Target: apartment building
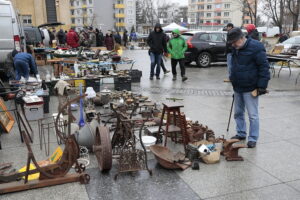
(115, 15)
(215, 14)
(37, 12)
(82, 13)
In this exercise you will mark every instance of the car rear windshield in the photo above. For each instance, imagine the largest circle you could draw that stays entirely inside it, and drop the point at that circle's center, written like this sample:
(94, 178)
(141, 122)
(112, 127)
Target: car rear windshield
(293, 40)
(187, 36)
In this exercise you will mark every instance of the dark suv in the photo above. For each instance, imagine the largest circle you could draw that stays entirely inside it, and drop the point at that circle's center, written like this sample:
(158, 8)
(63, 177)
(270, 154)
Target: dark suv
(205, 47)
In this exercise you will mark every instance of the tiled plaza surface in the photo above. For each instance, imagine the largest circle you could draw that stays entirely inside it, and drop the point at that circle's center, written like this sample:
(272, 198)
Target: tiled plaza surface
(270, 171)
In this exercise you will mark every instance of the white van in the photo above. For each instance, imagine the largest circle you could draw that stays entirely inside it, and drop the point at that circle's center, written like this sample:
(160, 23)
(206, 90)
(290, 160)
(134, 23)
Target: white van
(11, 34)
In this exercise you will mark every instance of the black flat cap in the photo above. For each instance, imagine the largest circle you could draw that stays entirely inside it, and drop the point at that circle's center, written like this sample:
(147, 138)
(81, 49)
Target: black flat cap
(234, 35)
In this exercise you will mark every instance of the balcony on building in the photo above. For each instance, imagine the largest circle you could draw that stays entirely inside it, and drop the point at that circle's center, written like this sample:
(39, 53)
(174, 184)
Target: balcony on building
(119, 6)
(120, 24)
(119, 15)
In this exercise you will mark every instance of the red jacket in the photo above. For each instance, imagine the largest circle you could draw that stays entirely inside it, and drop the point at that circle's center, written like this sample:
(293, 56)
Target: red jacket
(72, 39)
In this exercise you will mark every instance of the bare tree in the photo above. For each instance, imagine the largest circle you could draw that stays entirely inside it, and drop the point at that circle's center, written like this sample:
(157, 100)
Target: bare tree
(250, 7)
(275, 9)
(294, 8)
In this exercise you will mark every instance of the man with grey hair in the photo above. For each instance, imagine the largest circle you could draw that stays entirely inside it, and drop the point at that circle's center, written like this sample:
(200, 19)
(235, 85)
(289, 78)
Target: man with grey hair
(249, 72)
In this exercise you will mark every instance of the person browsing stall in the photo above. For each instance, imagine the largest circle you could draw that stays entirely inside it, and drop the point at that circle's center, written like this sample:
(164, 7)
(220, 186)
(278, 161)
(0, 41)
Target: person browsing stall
(24, 65)
(249, 72)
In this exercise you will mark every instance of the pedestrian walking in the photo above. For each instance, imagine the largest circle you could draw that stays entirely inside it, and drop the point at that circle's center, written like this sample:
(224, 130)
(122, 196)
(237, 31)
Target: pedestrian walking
(177, 47)
(157, 43)
(249, 72)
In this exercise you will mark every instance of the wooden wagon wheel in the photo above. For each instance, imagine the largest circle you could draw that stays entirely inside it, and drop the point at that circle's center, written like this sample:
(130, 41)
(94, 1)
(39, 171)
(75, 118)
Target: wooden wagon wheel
(102, 148)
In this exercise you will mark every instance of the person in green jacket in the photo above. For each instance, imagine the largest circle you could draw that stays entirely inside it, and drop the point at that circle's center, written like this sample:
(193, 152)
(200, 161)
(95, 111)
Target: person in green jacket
(176, 47)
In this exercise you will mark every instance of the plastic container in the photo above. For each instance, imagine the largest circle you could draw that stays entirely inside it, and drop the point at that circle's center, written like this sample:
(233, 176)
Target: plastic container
(34, 112)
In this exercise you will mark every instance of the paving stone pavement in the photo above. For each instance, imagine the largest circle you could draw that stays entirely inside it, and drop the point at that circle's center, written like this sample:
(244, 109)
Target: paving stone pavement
(270, 171)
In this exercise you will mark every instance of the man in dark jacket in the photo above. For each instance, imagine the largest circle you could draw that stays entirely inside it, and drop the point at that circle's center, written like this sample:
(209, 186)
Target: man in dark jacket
(118, 38)
(158, 46)
(99, 38)
(249, 72)
(252, 32)
(125, 38)
(24, 64)
(61, 36)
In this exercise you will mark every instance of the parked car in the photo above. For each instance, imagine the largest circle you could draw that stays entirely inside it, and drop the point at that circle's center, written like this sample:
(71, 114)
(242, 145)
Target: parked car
(33, 35)
(39, 35)
(290, 43)
(205, 47)
(11, 35)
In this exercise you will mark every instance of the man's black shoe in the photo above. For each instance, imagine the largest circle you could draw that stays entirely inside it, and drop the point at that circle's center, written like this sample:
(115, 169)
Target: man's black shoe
(251, 144)
(238, 137)
(158, 78)
(151, 77)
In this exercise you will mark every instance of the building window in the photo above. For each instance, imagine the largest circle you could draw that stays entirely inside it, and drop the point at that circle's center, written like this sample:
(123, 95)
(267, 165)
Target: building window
(90, 1)
(227, 5)
(246, 21)
(226, 14)
(218, 14)
(27, 19)
(201, 14)
(200, 7)
(201, 21)
(73, 21)
(209, 7)
(77, 2)
(78, 12)
(72, 12)
(91, 11)
(226, 21)
(78, 21)
(129, 3)
(129, 12)
(208, 14)
(218, 6)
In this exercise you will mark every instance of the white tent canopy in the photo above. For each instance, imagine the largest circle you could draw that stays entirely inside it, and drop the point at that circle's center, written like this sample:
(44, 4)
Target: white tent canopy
(174, 26)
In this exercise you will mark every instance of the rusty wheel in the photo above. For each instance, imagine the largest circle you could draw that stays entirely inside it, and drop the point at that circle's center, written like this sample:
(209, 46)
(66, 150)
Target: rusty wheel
(103, 149)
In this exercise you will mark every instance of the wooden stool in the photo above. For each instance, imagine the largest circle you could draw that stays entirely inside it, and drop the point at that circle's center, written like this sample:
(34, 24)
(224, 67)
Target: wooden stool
(174, 108)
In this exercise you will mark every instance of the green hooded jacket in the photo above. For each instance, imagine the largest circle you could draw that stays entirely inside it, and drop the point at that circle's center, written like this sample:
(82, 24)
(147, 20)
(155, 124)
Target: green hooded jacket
(177, 46)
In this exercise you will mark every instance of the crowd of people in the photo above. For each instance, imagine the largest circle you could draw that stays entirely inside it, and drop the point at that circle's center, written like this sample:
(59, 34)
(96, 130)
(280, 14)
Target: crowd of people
(90, 37)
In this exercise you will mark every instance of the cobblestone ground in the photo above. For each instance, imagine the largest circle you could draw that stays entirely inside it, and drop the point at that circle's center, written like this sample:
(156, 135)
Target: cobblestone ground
(270, 171)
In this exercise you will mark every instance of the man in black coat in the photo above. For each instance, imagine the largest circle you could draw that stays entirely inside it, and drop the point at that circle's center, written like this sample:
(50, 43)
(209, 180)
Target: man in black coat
(158, 46)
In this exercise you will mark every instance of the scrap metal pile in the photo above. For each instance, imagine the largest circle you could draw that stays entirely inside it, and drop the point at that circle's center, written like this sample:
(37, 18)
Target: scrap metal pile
(118, 125)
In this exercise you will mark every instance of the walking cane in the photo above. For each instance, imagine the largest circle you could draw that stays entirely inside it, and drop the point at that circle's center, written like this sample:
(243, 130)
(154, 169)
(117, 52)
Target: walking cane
(230, 114)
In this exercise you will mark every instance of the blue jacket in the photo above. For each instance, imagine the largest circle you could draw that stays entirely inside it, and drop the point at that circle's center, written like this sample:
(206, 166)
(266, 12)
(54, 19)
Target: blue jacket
(27, 58)
(250, 67)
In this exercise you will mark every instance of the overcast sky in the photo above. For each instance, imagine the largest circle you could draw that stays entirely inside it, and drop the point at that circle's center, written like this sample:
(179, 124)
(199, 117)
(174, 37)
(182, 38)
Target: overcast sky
(182, 2)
